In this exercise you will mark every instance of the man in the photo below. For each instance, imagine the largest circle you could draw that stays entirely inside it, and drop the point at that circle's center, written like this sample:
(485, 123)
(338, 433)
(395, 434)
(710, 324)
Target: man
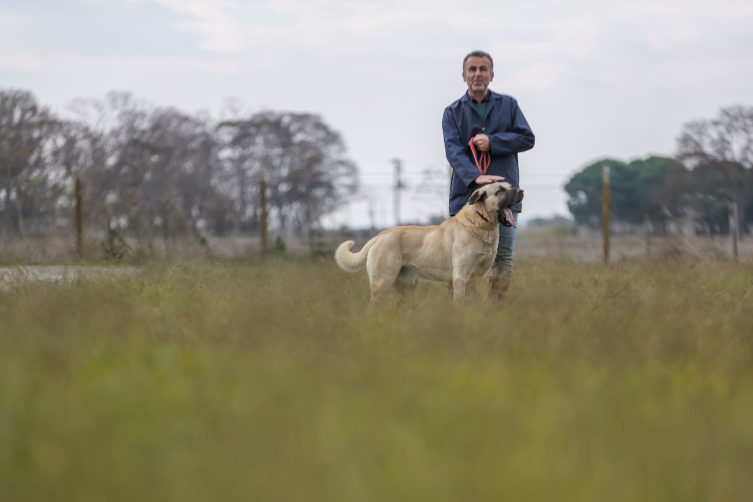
(497, 126)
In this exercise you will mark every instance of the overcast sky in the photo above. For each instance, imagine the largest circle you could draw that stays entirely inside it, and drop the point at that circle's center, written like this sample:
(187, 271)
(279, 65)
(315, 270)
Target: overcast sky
(593, 79)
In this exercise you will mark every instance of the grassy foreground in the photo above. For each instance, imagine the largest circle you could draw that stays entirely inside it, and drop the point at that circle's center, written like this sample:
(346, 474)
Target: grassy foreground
(198, 382)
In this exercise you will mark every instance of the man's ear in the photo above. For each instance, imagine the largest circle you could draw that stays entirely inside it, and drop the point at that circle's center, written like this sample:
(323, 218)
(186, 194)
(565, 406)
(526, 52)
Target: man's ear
(477, 196)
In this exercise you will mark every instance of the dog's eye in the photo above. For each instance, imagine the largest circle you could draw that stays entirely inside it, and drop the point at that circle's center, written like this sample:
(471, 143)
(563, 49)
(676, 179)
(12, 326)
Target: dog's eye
(501, 189)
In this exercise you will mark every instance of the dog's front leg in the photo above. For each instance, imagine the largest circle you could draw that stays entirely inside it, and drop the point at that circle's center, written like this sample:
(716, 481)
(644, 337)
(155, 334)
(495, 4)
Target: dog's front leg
(471, 289)
(462, 271)
(458, 287)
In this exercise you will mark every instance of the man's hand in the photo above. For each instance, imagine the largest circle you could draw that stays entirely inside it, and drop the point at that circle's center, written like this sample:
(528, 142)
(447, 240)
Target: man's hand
(481, 142)
(485, 179)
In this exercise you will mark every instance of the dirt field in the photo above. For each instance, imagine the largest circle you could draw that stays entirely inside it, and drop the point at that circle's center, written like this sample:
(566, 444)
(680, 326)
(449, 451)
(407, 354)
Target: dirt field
(21, 276)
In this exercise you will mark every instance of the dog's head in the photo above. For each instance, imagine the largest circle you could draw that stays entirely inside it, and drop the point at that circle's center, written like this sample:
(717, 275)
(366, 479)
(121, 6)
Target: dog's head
(497, 199)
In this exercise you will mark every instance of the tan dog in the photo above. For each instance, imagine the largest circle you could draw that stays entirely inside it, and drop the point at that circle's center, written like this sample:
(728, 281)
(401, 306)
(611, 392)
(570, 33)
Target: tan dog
(460, 250)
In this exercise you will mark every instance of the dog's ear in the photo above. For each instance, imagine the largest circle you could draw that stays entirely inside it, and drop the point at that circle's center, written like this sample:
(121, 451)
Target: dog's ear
(477, 196)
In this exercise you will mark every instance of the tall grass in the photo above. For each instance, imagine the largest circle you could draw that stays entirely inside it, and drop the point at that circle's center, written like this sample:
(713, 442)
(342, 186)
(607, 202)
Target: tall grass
(194, 382)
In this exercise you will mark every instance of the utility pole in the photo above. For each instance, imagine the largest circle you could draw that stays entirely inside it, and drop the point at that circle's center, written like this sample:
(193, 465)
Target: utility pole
(648, 237)
(79, 221)
(399, 186)
(605, 211)
(263, 197)
(372, 216)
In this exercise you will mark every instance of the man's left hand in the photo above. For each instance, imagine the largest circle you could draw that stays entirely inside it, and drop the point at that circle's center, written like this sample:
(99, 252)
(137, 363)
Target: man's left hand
(481, 142)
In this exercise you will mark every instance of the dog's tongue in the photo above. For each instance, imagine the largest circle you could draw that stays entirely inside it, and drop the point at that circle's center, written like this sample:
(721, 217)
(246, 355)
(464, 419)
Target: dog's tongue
(509, 218)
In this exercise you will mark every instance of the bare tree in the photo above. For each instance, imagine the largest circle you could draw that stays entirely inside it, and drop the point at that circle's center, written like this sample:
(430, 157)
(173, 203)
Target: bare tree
(178, 156)
(148, 170)
(105, 134)
(304, 161)
(727, 138)
(719, 152)
(26, 130)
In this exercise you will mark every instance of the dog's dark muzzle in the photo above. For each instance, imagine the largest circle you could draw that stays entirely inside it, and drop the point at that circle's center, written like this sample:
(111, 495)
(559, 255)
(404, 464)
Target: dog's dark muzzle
(512, 197)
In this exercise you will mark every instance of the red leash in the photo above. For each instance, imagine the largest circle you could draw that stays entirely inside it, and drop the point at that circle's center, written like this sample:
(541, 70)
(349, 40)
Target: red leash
(485, 158)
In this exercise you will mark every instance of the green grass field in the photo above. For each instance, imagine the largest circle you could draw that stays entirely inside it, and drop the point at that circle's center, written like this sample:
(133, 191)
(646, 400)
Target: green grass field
(200, 382)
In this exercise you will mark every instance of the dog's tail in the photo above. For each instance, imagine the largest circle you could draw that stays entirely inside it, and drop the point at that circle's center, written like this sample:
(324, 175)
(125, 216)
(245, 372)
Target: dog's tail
(353, 262)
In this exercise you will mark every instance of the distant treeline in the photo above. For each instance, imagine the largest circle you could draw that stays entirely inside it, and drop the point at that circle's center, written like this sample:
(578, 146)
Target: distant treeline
(150, 171)
(154, 171)
(714, 165)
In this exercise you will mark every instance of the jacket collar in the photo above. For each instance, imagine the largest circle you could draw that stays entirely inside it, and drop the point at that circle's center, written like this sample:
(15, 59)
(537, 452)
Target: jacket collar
(493, 96)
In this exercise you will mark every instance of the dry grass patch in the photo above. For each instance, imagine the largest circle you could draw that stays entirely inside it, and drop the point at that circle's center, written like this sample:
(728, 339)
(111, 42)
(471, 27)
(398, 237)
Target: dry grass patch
(198, 382)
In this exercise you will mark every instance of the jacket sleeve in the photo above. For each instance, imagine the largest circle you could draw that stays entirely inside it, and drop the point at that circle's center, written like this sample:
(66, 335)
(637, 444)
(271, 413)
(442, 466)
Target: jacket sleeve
(518, 138)
(455, 151)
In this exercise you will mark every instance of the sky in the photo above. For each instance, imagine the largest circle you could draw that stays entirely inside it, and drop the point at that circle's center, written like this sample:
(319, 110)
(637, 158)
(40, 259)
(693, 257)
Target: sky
(594, 79)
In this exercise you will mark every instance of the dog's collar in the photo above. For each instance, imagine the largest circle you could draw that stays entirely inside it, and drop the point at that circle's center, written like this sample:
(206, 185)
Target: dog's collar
(482, 216)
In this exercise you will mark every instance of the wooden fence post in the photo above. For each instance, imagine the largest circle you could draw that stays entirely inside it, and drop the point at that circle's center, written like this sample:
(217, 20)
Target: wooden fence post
(605, 211)
(263, 197)
(648, 237)
(733, 230)
(79, 221)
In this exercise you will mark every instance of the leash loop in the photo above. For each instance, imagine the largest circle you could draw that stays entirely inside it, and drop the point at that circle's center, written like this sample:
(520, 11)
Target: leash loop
(483, 160)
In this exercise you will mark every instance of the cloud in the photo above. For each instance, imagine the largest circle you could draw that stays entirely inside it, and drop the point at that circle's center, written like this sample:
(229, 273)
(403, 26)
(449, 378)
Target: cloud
(14, 56)
(594, 78)
(212, 20)
(551, 40)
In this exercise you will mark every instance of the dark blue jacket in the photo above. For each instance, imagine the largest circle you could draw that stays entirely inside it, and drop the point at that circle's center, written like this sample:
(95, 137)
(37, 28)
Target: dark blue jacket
(508, 133)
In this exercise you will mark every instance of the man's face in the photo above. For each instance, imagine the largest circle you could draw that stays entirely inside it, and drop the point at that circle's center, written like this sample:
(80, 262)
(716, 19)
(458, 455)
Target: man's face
(478, 74)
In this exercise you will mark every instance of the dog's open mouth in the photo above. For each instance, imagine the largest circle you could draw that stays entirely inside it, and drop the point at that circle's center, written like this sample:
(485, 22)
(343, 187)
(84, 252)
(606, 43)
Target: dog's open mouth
(508, 220)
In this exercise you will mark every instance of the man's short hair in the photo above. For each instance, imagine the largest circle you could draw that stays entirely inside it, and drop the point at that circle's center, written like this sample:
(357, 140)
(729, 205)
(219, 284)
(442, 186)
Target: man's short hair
(479, 54)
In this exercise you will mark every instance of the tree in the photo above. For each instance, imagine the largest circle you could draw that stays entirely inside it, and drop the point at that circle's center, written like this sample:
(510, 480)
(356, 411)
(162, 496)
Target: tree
(631, 188)
(105, 132)
(702, 194)
(304, 161)
(175, 156)
(720, 153)
(26, 132)
(146, 168)
(727, 138)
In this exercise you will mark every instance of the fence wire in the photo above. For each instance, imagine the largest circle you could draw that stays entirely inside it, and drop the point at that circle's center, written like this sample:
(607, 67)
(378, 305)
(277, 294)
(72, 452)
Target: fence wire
(545, 229)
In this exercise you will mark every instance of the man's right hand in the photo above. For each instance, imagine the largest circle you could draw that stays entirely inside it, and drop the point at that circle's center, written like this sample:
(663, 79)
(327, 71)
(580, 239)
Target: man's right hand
(485, 179)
